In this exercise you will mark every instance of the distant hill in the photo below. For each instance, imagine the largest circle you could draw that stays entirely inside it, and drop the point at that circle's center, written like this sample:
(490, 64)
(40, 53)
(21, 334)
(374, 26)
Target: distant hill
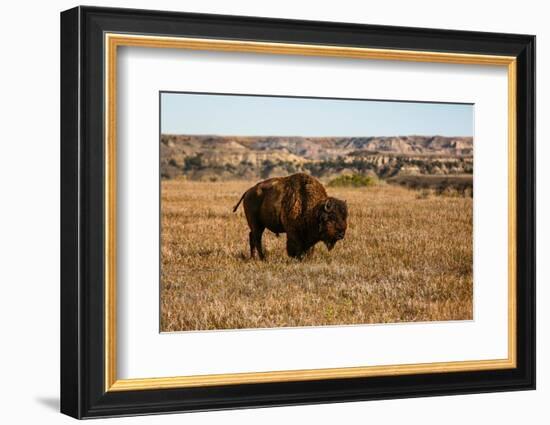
(226, 157)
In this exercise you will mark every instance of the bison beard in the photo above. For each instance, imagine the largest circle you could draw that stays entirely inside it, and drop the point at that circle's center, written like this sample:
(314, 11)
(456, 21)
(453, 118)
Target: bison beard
(297, 205)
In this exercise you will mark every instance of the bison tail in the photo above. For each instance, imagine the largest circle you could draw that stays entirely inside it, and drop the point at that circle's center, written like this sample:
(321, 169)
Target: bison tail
(238, 203)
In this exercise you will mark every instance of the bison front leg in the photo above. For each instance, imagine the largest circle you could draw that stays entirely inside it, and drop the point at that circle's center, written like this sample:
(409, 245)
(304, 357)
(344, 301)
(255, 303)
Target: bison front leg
(294, 247)
(310, 251)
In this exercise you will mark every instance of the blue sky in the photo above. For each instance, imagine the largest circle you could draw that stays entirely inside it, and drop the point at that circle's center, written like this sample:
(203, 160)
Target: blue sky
(187, 113)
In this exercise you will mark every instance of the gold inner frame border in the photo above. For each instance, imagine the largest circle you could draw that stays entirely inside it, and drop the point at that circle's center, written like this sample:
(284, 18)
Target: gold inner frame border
(111, 43)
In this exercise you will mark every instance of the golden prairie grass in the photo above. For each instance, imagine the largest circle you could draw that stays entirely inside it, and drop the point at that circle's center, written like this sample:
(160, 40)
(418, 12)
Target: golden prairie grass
(405, 258)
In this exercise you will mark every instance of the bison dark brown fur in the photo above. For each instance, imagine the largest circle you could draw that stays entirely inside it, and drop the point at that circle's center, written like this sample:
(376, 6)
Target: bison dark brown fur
(297, 205)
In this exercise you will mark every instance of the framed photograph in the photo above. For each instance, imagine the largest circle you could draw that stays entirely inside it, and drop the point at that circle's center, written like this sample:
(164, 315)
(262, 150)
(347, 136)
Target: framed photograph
(260, 212)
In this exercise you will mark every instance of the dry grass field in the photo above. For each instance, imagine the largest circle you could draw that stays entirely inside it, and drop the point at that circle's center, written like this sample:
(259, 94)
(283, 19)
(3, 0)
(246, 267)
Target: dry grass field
(405, 258)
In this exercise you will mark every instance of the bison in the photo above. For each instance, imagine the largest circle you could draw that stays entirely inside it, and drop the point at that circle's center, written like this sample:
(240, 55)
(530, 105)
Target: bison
(297, 205)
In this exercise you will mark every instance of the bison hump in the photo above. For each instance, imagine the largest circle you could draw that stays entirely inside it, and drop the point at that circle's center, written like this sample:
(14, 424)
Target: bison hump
(302, 194)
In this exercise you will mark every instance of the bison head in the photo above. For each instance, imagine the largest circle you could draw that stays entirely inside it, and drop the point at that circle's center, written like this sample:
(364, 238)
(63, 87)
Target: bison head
(333, 216)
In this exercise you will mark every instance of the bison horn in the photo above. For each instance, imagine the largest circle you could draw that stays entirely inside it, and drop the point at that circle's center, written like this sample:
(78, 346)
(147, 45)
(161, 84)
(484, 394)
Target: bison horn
(328, 205)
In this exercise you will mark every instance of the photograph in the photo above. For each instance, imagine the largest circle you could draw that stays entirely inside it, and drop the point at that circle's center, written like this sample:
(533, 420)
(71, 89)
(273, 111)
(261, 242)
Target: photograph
(285, 211)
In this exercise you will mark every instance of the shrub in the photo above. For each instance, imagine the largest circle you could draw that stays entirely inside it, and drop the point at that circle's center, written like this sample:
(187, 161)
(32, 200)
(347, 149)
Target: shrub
(193, 163)
(354, 180)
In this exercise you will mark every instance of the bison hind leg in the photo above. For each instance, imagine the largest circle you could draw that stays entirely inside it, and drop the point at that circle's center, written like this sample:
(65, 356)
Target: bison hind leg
(255, 238)
(252, 245)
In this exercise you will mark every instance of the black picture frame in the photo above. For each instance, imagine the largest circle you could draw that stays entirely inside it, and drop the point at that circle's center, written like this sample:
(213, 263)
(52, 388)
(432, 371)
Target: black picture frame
(83, 392)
